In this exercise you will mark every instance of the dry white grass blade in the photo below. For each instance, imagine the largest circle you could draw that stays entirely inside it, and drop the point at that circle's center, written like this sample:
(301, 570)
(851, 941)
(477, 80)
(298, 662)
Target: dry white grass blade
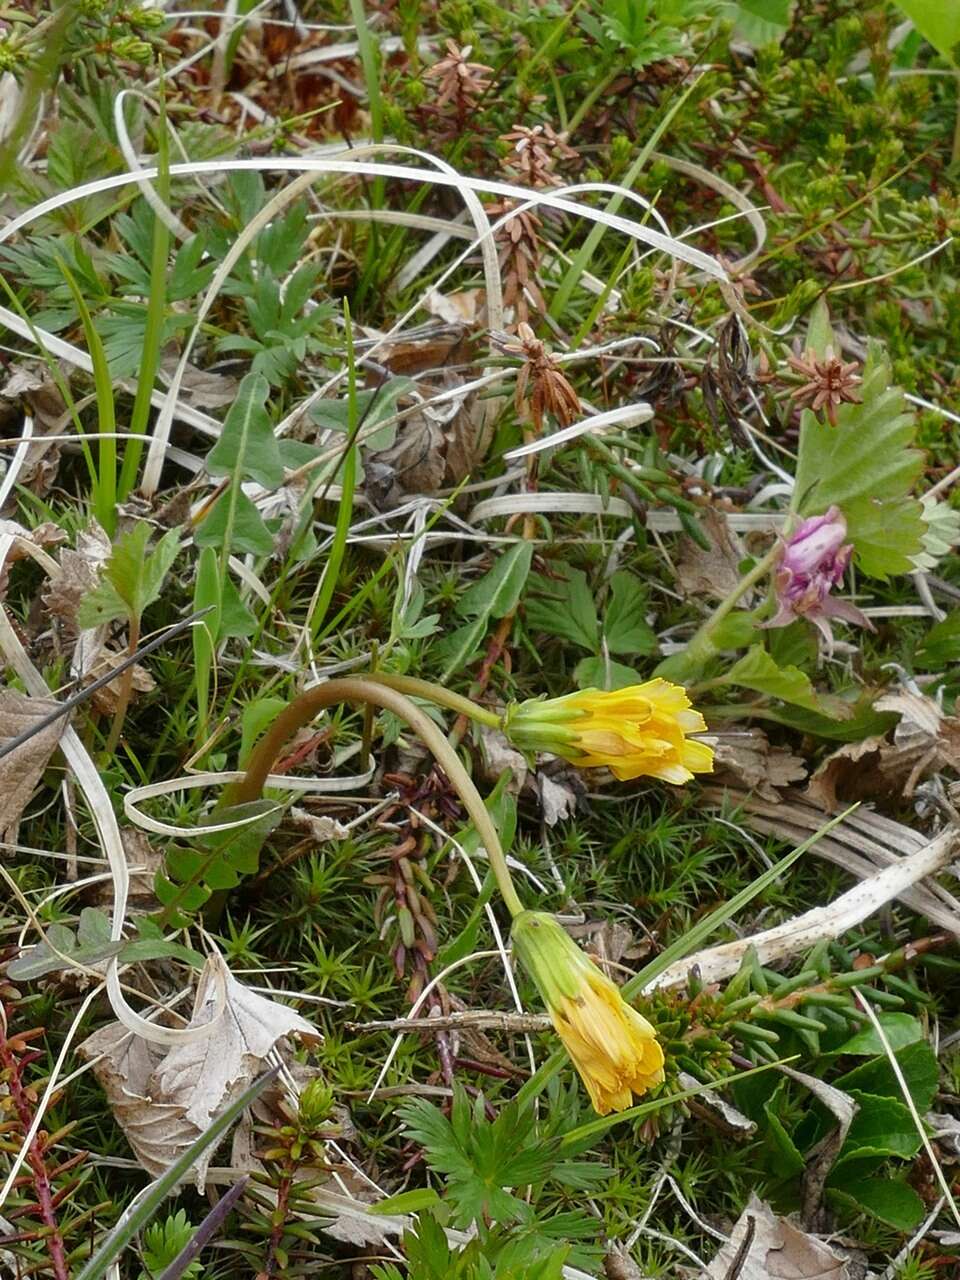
(862, 844)
(595, 504)
(98, 801)
(129, 151)
(729, 192)
(585, 504)
(627, 415)
(55, 346)
(804, 931)
(137, 796)
(17, 461)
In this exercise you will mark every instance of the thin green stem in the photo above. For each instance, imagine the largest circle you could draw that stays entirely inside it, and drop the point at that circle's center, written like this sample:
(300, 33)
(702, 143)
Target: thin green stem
(348, 482)
(701, 646)
(156, 311)
(598, 90)
(415, 688)
(304, 708)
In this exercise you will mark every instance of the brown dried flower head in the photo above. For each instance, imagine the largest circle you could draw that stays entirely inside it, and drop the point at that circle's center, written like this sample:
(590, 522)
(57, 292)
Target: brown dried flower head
(462, 82)
(519, 245)
(535, 152)
(829, 382)
(540, 380)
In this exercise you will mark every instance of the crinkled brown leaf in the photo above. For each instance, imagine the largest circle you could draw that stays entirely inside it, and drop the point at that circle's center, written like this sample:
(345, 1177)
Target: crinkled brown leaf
(21, 770)
(715, 572)
(925, 742)
(163, 1100)
(499, 756)
(775, 1249)
(745, 757)
(78, 573)
(107, 699)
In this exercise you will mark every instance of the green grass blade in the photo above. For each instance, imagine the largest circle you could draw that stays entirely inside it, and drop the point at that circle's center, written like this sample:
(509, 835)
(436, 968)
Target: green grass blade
(338, 547)
(105, 487)
(156, 310)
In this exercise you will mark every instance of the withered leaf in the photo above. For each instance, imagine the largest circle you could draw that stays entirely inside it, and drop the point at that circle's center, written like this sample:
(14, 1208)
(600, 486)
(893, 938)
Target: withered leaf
(715, 572)
(21, 770)
(775, 1249)
(164, 1099)
(746, 757)
(79, 572)
(925, 742)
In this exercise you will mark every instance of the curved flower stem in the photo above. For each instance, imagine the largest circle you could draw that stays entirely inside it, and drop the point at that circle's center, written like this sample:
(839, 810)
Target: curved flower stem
(415, 688)
(372, 692)
(701, 646)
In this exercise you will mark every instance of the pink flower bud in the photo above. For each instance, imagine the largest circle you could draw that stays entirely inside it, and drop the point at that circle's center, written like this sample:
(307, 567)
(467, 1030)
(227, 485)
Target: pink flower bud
(814, 560)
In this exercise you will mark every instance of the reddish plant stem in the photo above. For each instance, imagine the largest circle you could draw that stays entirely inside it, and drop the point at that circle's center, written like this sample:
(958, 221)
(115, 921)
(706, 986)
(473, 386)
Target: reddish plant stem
(12, 1067)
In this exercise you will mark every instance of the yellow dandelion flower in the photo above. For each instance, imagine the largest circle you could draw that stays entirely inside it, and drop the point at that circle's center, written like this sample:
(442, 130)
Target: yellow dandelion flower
(640, 731)
(613, 1047)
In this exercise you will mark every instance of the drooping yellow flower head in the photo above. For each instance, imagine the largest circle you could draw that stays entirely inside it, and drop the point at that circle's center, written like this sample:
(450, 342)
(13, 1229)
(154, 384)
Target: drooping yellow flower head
(612, 1046)
(640, 731)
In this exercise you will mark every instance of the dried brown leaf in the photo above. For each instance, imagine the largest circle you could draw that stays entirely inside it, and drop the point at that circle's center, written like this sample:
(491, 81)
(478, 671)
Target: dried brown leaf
(772, 1248)
(464, 308)
(715, 572)
(107, 699)
(926, 741)
(499, 756)
(22, 769)
(162, 1100)
(79, 572)
(745, 757)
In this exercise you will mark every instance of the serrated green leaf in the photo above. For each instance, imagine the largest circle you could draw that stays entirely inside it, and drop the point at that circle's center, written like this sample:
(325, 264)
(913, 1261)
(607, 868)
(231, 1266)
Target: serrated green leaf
(145, 949)
(900, 1029)
(887, 534)
(131, 578)
(455, 650)
(93, 928)
(494, 596)
(859, 722)
(918, 1066)
(941, 646)
(41, 959)
(625, 627)
(234, 521)
(866, 466)
(498, 591)
(407, 1202)
(564, 607)
(882, 1127)
(599, 673)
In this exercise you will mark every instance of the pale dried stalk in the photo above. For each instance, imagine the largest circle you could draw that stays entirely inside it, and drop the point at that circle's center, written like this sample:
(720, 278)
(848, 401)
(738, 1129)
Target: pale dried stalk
(805, 931)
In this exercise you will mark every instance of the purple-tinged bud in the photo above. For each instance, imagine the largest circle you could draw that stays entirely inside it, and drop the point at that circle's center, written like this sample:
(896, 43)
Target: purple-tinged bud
(814, 560)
